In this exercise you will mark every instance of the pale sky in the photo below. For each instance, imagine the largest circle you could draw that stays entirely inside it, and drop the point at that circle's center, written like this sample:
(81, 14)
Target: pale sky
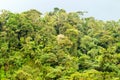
(100, 9)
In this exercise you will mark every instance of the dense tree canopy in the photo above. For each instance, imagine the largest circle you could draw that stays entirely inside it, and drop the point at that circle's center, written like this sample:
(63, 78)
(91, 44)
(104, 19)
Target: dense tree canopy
(58, 46)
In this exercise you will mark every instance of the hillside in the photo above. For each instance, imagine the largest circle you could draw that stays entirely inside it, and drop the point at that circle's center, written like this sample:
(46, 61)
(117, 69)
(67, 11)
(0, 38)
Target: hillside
(58, 46)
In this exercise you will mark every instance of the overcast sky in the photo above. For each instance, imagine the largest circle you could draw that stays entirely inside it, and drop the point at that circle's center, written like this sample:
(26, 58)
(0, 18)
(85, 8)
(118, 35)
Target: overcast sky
(100, 9)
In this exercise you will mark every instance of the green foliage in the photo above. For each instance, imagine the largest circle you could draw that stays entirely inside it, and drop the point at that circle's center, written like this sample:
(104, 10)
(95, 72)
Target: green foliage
(58, 45)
